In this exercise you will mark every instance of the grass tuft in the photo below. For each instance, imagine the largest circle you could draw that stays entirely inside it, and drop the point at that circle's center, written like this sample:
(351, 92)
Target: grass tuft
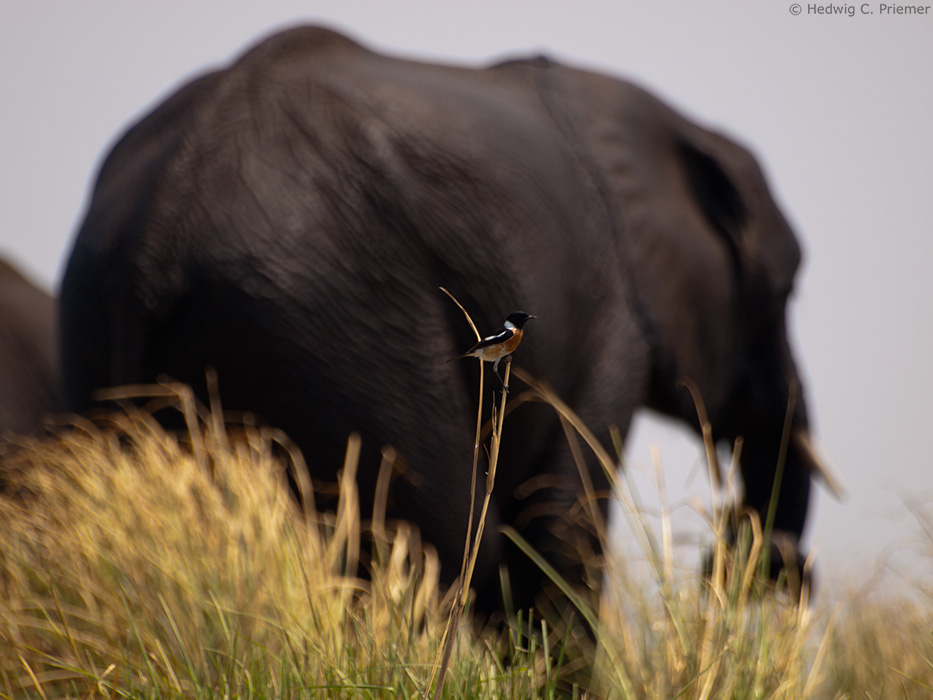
(129, 568)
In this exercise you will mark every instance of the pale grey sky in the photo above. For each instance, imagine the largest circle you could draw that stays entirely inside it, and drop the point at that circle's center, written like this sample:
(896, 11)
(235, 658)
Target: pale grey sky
(838, 109)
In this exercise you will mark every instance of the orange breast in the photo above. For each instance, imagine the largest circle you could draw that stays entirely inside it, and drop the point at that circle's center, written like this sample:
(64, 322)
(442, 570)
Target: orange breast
(513, 342)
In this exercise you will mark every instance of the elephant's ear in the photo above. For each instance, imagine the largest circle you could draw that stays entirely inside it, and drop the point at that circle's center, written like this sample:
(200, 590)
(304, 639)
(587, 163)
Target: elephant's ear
(716, 195)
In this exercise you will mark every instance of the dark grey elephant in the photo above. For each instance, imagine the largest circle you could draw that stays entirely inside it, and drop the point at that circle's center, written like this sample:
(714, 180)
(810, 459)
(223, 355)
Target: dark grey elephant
(28, 352)
(289, 220)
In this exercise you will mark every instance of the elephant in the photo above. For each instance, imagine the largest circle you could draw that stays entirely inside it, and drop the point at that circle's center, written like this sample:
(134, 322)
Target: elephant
(288, 220)
(28, 352)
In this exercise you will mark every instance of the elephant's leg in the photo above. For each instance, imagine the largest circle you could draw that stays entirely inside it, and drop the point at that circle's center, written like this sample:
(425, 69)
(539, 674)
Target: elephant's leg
(783, 508)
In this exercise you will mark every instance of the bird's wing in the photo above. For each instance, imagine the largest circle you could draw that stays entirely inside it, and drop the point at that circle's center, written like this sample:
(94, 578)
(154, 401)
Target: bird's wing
(500, 336)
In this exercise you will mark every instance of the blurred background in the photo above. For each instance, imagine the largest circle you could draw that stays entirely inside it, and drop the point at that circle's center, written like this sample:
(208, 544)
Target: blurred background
(838, 109)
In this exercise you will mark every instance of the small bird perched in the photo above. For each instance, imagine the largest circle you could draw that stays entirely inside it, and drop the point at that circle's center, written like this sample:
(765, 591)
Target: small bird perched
(500, 344)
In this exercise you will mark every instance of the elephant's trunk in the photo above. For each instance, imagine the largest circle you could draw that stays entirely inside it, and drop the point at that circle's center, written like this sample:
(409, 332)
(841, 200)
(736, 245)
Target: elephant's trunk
(815, 463)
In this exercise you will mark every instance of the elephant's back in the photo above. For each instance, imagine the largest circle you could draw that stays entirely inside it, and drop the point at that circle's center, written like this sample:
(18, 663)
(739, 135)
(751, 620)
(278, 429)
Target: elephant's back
(310, 159)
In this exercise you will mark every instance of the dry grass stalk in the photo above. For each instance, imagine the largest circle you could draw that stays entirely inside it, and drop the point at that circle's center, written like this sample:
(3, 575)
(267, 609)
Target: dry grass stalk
(471, 549)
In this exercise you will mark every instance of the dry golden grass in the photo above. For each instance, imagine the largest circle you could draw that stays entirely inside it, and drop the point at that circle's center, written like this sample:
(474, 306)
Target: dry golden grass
(881, 645)
(128, 564)
(135, 565)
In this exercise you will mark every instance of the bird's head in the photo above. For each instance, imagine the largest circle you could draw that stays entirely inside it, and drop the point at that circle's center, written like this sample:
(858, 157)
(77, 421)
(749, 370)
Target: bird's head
(518, 319)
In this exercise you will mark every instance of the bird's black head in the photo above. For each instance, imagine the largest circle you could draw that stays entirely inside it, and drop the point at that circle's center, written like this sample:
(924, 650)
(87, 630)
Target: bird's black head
(518, 318)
